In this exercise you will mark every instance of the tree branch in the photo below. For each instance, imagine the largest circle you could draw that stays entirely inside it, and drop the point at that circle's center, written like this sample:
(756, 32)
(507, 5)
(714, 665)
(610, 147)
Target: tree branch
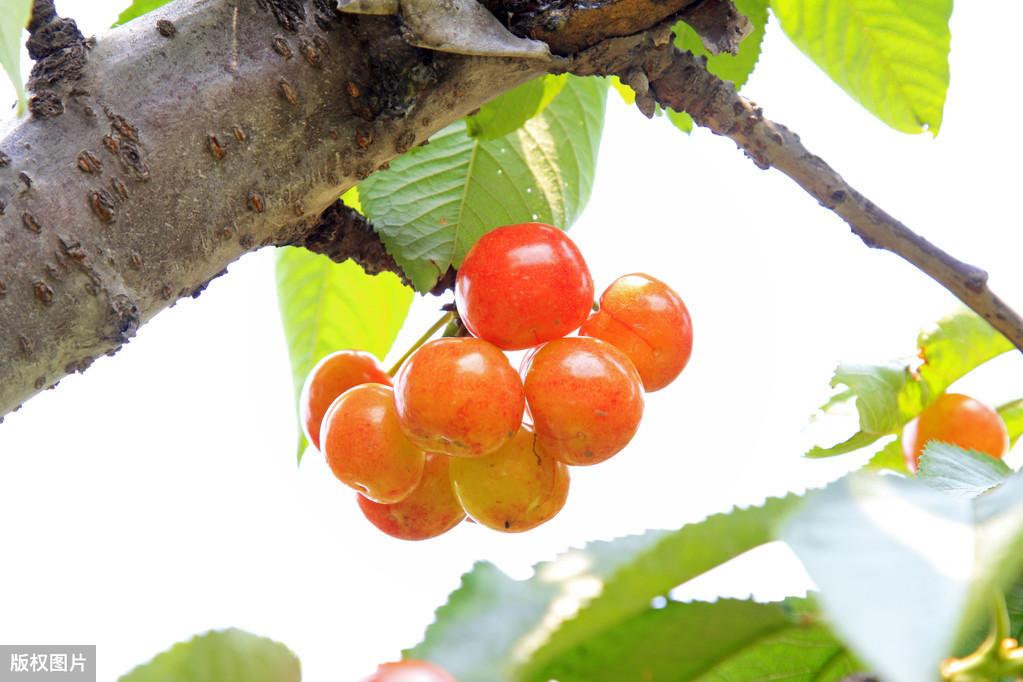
(681, 81)
(163, 151)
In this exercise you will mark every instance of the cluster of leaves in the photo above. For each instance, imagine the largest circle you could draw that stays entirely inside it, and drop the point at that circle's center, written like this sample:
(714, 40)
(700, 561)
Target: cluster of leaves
(890, 394)
(935, 548)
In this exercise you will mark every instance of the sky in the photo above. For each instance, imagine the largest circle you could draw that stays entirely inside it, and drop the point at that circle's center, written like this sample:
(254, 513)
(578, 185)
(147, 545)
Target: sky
(156, 496)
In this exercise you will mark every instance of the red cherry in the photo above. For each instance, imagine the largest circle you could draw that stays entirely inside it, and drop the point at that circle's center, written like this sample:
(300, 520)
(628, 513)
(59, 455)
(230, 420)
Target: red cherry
(585, 397)
(332, 376)
(410, 671)
(521, 285)
(959, 420)
(644, 318)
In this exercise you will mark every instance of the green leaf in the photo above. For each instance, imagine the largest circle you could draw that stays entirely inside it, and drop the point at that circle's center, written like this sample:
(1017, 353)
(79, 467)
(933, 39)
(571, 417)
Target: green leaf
(627, 94)
(1012, 415)
(889, 395)
(519, 627)
(734, 68)
(955, 346)
(964, 473)
(436, 201)
(224, 656)
(14, 16)
(891, 56)
(509, 111)
(857, 441)
(889, 458)
(737, 641)
(904, 570)
(327, 306)
(139, 8)
(682, 121)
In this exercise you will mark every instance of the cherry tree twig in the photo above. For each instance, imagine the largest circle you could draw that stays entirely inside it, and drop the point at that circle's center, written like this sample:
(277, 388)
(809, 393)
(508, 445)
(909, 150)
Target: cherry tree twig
(660, 73)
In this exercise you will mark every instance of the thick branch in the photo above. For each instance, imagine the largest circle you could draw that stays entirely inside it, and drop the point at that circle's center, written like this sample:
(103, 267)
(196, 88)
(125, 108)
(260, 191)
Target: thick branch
(681, 81)
(169, 147)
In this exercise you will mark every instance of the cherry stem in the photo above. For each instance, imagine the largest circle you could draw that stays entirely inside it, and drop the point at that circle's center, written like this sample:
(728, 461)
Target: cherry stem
(434, 328)
(997, 657)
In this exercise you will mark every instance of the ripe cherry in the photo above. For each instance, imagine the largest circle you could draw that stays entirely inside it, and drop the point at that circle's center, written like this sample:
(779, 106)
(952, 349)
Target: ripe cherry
(366, 448)
(959, 420)
(644, 318)
(429, 510)
(521, 285)
(514, 489)
(459, 396)
(585, 398)
(410, 671)
(332, 376)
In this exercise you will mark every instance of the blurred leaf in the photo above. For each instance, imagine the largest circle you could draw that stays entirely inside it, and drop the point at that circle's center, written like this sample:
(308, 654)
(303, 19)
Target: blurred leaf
(224, 656)
(889, 395)
(627, 94)
(889, 458)
(327, 306)
(436, 201)
(14, 16)
(737, 641)
(682, 121)
(509, 111)
(959, 472)
(1012, 414)
(931, 562)
(139, 8)
(519, 627)
(891, 56)
(858, 440)
(955, 346)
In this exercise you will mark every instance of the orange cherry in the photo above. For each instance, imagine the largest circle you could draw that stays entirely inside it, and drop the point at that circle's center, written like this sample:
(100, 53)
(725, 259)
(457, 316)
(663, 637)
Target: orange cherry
(959, 420)
(516, 488)
(332, 376)
(585, 398)
(366, 448)
(428, 511)
(644, 318)
(459, 396)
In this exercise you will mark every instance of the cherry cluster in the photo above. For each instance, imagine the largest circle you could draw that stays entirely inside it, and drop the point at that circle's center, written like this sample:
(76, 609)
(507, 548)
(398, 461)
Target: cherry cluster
(459, 432)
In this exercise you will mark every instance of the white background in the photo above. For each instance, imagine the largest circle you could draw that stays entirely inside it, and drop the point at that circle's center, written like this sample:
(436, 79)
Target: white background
(157, 496)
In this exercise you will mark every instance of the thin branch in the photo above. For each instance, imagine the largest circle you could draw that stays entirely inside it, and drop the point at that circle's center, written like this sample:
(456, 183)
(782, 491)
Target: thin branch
(681, 81)
(342, 233)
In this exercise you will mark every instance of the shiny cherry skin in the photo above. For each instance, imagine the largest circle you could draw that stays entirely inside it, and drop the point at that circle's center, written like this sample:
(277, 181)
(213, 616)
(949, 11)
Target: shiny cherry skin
(514, 489)
(429, 510)
(959, 420)
(521, 285)
(585, 398)
(366, 448)
(459, 396)
(332, 376)
(410, 671)
(645, 319)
